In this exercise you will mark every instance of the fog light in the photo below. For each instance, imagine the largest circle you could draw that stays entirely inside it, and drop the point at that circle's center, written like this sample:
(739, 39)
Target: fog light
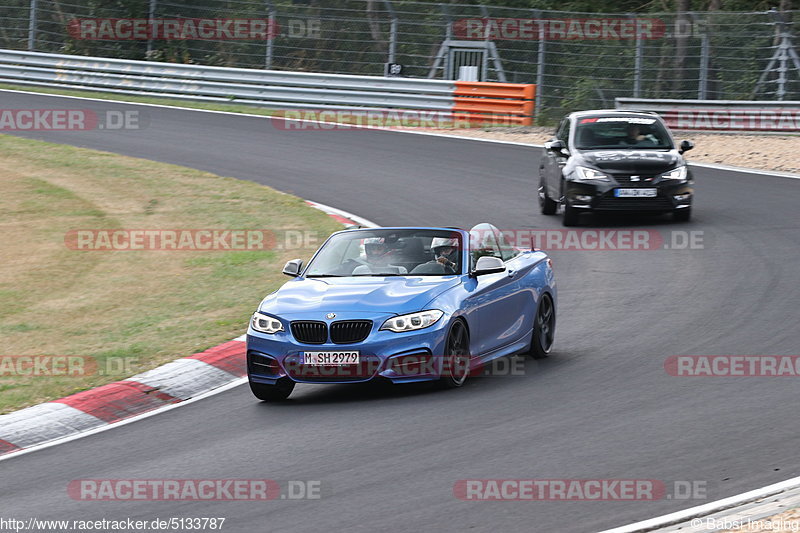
(583, 198)
(682, 197)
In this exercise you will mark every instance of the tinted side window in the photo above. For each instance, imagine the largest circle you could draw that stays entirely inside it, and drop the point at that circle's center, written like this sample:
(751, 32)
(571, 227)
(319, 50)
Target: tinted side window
(563, 131)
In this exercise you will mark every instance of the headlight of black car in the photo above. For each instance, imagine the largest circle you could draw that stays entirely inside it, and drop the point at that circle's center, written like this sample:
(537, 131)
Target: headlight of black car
(678, 173)
(586, 173)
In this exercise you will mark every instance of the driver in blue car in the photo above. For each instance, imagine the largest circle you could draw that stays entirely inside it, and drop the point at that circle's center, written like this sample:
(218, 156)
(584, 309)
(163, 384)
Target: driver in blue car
(377, 258)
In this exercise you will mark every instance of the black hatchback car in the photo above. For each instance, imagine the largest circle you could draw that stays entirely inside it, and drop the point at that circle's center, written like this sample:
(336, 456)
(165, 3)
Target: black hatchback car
(612, 161)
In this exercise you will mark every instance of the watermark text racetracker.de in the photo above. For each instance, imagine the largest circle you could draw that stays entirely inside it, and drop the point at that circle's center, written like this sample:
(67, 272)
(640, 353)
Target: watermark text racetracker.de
(411, 365)
(578, 490)
(65, 366)
(186, 239)
(217, 490)
(733, 365)
(124, 29)
(568, 29)
(332, 119)
(72, 119)
(596, 239)
(182, 29)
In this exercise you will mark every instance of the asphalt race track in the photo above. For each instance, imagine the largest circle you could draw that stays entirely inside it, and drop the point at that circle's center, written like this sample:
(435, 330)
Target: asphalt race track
(602, 406)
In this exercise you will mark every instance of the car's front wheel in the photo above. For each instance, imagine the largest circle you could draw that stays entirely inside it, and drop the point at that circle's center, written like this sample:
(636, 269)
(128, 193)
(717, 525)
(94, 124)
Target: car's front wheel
(273, 393)
(456, 358)
(544, 328)
(546, 204)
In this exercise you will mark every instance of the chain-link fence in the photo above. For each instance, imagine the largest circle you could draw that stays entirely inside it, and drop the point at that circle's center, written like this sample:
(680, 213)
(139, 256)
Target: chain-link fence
(578, 60)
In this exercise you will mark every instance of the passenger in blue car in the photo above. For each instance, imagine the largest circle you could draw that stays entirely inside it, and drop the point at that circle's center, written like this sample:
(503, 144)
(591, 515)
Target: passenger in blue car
(446, 258)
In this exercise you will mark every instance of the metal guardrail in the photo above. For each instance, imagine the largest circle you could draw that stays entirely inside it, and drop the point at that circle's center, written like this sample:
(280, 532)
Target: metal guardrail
(268, 88)
(721, 115)
(246, 86)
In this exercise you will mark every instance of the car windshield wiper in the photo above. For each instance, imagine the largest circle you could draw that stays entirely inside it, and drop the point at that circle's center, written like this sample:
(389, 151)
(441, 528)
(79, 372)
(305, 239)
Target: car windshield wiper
(324, 276)
(378, 275)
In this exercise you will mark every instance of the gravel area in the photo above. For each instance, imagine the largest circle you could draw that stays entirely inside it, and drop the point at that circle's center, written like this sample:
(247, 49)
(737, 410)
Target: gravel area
(765, 152)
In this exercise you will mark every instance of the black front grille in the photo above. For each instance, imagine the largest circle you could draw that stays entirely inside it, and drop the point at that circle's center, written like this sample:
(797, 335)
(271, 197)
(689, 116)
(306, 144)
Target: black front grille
(659, 203)
(350, 331)
(310, 332)
(642, 181)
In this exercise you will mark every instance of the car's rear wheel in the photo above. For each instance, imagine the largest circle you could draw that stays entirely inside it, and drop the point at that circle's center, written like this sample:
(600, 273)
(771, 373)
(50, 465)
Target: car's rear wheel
(456, 357)
(682, 215)
(544, 328)
(570, 215)
(546, 204)
(273, 393)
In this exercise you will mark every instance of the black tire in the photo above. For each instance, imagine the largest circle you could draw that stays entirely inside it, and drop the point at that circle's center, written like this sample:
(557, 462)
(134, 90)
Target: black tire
(570, 215)
(456, 357)
(273, 393)
(546, 204)
(544, 328)
(682, 215)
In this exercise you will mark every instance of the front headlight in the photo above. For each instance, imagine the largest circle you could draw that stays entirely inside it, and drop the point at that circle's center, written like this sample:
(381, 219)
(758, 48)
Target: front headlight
(675, 174)
(586, 173)
(265, 323)
(420, 320)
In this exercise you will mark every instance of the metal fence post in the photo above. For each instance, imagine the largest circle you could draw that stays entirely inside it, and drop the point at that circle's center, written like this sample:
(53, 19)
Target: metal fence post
(637, 63)
(540, 57)
(32, 27)
(485, 57)
(392, 31)
(271, 34)
(702, 90)
(151, 14)
(448, 31)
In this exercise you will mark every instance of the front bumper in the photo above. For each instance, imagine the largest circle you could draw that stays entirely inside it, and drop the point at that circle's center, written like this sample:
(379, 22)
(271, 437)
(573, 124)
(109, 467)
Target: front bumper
(598, 195)
(399, 357)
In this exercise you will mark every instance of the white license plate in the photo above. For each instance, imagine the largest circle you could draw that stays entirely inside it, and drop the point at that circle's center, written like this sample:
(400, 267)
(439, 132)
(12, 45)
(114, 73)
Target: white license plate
(330, 358)
(635, 193)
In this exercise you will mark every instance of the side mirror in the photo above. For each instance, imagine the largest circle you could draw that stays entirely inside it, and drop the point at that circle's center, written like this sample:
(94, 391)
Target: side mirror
(293, 267)
(685, 146)
(488, 265)
(555, 145)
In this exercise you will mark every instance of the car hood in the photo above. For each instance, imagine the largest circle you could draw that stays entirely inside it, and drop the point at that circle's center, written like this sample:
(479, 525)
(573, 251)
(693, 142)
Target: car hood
(391, 295)
(632, 161)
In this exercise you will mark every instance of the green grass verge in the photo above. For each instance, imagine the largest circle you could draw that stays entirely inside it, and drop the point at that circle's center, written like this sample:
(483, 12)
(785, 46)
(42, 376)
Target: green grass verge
(128, 311)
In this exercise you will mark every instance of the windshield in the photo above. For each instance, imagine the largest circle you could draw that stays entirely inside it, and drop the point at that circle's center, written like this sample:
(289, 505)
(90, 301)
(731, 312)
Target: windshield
(381, 252)
(628, 133)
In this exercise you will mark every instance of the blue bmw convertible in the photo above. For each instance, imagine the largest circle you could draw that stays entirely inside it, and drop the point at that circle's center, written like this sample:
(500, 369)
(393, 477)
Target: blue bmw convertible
(404, 305)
